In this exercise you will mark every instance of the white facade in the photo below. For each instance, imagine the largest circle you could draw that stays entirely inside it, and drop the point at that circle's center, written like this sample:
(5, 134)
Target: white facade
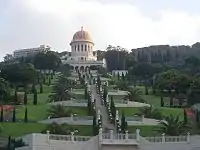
(30, 51)
(82, 54)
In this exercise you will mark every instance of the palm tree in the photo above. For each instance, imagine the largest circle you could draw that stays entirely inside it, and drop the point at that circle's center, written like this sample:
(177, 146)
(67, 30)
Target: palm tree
(150, 112)
(58, 111)
(55, 128)
(134, 94)
(173, 126)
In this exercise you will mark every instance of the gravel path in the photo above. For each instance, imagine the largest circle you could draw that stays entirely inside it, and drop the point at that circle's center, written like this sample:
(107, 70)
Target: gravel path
(105, 120)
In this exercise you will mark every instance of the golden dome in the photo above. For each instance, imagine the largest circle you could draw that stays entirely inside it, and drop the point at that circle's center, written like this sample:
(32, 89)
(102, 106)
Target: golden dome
(81, 35)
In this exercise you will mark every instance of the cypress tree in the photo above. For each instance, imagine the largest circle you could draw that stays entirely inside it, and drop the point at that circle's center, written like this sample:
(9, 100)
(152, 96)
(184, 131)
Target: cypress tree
(89, 106)
(51, 75)
(41, 88)
(123, 123)
(94, 125)
(86, 92)
(33, 88)
(1, 119)
(35, 98)
(94, 81)
(16, 96)
(118, 76)
(26, 115)
(25, 98)
(171, 101)
(9, 143)
(49, 83)
(14, 116)
(185, 116)
(146, 90)
(123, 77)
(44, 80)
(162, 101)
(197, 116)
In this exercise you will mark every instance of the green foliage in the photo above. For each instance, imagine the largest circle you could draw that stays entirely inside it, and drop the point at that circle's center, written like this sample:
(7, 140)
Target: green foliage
(173, 126)
(47, 61)
(150, 112)
(86, 93)
(19, 73)
(58, 111)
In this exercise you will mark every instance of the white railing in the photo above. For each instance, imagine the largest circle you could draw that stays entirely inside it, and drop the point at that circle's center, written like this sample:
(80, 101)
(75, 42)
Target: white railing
(71, 137)
(169, 139)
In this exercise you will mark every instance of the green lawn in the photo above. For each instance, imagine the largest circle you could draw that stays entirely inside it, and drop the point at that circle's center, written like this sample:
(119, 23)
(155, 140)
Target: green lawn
(40, 112)
(145, 130)
(20, 129)
(80, 111)
(42, 98)
(35, 113)
(79, 96)
(129, 111)
(155, 100)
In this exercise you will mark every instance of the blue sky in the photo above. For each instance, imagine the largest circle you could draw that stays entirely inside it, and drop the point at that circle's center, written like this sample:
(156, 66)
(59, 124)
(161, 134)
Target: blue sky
(127, 23)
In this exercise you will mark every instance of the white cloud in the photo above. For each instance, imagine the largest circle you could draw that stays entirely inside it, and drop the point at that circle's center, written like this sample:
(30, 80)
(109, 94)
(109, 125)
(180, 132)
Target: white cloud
(53, 22)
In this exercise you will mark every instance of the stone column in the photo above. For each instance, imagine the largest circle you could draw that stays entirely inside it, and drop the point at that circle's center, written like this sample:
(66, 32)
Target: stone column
(48, 135)
(126, 135)
(72, 136)
(188, 137)
(163, 138)
(138, 134)
(111, 134)
(100, 134)
(71, 117)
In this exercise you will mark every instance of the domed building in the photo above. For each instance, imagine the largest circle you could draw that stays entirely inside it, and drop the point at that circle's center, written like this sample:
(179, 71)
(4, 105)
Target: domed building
(82, 54)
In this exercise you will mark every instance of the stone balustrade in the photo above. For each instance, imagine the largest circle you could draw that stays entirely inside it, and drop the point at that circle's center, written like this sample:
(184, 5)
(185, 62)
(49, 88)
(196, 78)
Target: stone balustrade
(71, 137)
(169, 139)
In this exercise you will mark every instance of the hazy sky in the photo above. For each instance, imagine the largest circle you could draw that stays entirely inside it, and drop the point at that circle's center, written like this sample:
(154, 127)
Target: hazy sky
(127, 23)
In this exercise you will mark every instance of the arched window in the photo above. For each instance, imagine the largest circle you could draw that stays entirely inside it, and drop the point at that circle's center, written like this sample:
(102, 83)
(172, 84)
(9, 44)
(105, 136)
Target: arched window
(78, 48)
(85, 47)
(81, 47)
(75, 48)
(88, 48)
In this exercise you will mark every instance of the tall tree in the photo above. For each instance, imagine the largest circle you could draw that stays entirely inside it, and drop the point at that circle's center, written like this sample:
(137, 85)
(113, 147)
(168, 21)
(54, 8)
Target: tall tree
(161, 101)
(25, 98)
(14, 116)
(185, 116)
(26, 115)
(1, 119)
(86, 92)
(41, 88)
(123, 123)
(94, 125)
(16, 97)
(35, 98)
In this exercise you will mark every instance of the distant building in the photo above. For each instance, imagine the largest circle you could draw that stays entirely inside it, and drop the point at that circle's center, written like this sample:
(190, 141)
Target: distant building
(30, 51)
(120, 72)
(82, 55)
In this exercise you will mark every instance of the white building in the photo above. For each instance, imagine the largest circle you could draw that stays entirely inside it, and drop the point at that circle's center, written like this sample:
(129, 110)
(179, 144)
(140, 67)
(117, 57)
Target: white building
(109, 141)
(82, 54)
(30, 51)
(120, 72)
